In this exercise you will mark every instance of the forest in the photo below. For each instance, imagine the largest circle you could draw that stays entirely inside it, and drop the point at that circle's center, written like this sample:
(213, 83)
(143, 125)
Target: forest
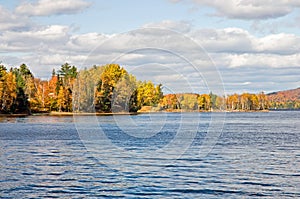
(110, 88)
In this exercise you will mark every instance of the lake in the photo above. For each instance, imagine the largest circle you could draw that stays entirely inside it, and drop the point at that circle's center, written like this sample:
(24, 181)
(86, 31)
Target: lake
(166, 155)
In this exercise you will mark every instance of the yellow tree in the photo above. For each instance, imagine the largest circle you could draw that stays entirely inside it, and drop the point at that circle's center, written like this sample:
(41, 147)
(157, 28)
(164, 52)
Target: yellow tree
(109, 78)
(245, 101)
(204, 102)
(9, 92)
(233, 102)
(263, 101)
(3, 73)
(61, 99)
(254, 102)
(189, 101)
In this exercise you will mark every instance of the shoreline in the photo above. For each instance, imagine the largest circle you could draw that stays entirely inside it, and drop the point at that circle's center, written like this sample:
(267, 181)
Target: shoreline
(14, 115)
(89, 114)
(141, 112)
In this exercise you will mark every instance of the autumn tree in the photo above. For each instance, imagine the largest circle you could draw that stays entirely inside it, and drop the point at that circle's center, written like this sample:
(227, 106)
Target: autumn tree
(8, 92)
(109, 78)
(148, 94)
(263, 101)
(125, 95)
(189, 101)
(169, 101)
(204, 102)
(3, 73)
(65, 81)
(86, 89)
(61, 99)
(233, 102)
(43, 99)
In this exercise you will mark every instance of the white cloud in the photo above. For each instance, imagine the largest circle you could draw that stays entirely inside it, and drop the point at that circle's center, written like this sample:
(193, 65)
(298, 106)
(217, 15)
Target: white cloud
(249, 9)
(37, 39)
(232, 43)
(236, 40)
(85, 43)
(163, 54)
(261, 60)
(181, 26)
(50, 7)
(279, 44)
(224, 40)
(10, 21)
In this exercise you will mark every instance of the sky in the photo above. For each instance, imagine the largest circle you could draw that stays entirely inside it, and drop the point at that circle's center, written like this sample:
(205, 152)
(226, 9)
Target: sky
(197, 46)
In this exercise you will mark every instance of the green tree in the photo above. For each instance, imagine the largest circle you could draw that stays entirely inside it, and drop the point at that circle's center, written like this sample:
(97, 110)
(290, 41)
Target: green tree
(67, 71)
(25, 89)
(65, 81)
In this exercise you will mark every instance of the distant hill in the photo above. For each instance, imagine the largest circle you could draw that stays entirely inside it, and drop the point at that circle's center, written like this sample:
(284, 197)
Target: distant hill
(288, 99)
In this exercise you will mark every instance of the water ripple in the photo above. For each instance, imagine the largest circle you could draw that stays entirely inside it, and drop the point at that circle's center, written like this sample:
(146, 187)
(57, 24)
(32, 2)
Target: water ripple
(252, 159)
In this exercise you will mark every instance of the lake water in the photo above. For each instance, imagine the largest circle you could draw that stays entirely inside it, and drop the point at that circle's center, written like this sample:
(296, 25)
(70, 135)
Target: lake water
(170, 155)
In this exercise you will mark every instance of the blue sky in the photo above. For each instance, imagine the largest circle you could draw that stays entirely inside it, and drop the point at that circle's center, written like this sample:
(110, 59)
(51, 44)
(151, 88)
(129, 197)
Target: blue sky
(249, 45)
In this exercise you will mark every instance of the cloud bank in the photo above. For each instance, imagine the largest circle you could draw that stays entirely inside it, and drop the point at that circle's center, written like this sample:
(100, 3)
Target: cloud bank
(247, 62)
(49, 7)
(248, 9)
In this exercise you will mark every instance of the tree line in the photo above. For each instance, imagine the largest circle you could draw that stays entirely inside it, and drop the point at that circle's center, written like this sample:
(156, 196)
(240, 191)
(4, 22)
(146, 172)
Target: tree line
(212, 102)
(108, 88)
(288, 99)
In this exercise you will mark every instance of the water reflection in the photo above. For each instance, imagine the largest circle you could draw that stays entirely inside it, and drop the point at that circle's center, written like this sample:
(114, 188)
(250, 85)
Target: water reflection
(37, 119)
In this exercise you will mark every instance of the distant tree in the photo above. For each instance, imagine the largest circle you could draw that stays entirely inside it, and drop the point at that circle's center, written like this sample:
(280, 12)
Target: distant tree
(67, 71)
(254, 102)
(204, 102)
(189, 102)
(170, 101)
(213, 100)
(263, 101)
(148, 94)
(53, 72)
(3, 71)
(25, 72)
(233, 102)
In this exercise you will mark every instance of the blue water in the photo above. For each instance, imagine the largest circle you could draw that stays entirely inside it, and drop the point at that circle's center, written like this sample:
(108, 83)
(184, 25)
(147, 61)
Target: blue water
(170, 155)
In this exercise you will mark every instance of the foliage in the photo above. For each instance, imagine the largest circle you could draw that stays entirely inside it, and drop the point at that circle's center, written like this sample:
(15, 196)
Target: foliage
(110, 88)
(8, 91)
(289, 99)
(210, 102)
